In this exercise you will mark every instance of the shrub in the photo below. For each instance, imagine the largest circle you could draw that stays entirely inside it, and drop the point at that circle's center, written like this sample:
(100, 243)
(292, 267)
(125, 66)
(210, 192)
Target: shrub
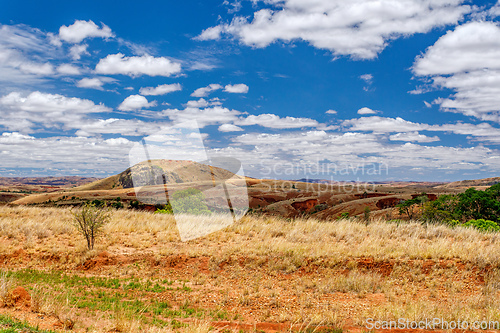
(319, 208)
(483, 225)
(366, 214)
(344, 215)
(442, 209)
(410, 207)
(190, 201)
(474, 204)
(89, 221)
(98, 203)
(166, 209)
(117, 203)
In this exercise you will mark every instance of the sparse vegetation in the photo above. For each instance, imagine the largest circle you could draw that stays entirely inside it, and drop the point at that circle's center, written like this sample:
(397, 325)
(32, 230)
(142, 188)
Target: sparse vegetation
(483, 225)
(411, 207)
(89, 220)
(140, 276)
(9, 325)
(344, 215)
(189, 201)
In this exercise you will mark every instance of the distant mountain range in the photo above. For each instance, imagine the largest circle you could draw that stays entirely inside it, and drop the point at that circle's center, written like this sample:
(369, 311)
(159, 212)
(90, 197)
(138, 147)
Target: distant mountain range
(65, 181)
(398, 182)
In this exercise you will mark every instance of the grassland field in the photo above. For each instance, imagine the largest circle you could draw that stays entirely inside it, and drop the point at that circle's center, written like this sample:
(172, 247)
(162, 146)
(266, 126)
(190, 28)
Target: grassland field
(261, 274)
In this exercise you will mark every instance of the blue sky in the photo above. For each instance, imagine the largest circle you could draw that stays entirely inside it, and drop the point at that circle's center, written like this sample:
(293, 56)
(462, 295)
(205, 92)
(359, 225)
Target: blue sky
(282, 85)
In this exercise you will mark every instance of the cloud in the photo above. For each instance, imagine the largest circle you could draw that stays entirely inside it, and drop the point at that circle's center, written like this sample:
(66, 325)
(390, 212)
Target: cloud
(76, 51)
(380, 125)
(137, 66)
(465, 60)
(368, 78)
(479, 132)
(357, 28)
(205, 91)
(135, 102)
(47, 110)
(68, 69)
(383, 125)
(124, 127)
(212, 33)
(23, 54)
(236, 89)
(37, 69)
(230, 128)
(470, 47)
(160, 90)
(63, 155)
(495, 10)
(286, 154)
(46, 103)
(413, 137)
(427, 104)
(366, 110)
(208, 116)
(81, 30)
(203, 103)
(331, 112)
(274, 121)
(94, 83)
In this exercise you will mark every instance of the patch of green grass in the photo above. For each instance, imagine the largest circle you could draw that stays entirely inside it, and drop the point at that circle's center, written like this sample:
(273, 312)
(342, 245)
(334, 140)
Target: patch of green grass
(220, 315)
(9, 325)
(32, 276)
(177, 324)
(131, 295)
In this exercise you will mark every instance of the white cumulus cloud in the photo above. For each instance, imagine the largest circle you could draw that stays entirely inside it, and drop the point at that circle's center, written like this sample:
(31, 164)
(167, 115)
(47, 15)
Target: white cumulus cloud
(80, 30)
(137, 66)
(413, 137)
(76, 51)
(230, 128)
(275, 121)
(94, 83)
(366, 110)
(160, 90)
(357, 28)
(236, 89)
(135, 102)
(47, 110)
(465, 60)
(205, 91)
(68, 69)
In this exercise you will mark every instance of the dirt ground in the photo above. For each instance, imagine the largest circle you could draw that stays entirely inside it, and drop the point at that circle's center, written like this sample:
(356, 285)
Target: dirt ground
(262, 275)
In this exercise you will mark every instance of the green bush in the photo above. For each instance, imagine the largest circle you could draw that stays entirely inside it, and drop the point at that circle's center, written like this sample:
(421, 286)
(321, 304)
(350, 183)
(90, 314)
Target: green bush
(344, 215)
(483, 225)
(190, 201)
(98, 203)
(166, 209)
(474, 204)
(410, 207)
(470, 205)
(366, 214)
(117, 203)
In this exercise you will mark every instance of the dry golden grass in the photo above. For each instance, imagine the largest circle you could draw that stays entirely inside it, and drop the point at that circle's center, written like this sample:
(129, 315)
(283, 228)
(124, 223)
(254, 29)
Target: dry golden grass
(298, 271)
(293, 241)
(6, 284)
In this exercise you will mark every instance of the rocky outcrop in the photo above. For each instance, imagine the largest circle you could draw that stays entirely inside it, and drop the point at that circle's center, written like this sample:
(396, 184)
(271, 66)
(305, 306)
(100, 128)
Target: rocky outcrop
(388, 202)
(305, 205)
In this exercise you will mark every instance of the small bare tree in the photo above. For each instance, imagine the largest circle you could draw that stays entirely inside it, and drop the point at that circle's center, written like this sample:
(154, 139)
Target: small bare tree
(89, 220)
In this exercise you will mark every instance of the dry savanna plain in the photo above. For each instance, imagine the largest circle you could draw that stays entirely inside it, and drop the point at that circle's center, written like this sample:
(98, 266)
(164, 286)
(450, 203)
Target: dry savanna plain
(294, 263)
